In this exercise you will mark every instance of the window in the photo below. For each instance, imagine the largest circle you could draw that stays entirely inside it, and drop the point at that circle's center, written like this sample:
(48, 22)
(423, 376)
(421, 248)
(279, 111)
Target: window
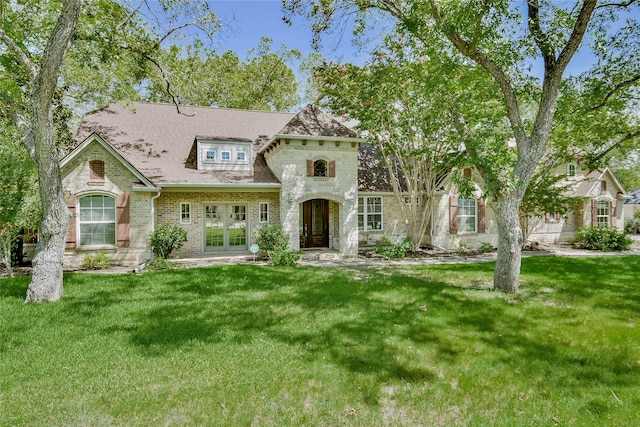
(319, 168)
(603, 212)
(97, 220)
(552, 217)
(185, 213)
(264, 212)
(211, 155)
(571, 170)
(467, 216)
(226, 155)
(96, 169)
(241, 156)
(407, 200)
(369, 213)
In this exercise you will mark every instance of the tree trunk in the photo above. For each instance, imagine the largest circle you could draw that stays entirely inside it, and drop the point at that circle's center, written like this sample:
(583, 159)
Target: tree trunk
(507, 271)
(46, 279)
(6, 253)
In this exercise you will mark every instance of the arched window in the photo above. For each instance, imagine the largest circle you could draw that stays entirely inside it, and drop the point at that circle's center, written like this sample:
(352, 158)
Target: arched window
(97, 220)
(320, 168)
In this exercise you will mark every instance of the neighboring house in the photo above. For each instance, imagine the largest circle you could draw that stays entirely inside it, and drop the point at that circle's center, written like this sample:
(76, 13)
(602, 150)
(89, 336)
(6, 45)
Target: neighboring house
(222, 173)
(632, 204)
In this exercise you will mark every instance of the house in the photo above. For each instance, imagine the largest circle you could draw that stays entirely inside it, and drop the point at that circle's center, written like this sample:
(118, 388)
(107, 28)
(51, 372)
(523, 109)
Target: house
(222, 173)
(632, 204)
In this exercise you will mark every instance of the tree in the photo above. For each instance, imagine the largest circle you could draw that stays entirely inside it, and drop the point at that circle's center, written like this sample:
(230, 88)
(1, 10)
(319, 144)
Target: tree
(17, 182)
(503, 41)
(263, 81)
(409, 120)
(37, 37)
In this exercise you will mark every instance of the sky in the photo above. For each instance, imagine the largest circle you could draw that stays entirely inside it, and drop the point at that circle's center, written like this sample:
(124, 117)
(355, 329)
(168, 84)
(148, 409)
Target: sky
(246, 21)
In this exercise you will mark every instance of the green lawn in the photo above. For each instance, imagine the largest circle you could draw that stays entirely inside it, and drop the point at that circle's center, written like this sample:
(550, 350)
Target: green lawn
(267, 346)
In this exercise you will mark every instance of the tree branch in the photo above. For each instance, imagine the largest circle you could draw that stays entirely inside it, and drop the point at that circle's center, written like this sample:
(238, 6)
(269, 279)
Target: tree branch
(615, 89)
(541, 39)
(625, 138)
(20, 54)
(622, 4)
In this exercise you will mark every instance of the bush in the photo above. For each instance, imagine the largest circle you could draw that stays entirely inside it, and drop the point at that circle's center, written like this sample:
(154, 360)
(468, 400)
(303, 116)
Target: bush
(486, 247)
(160, 264)
(390, 250)
(97, 261)
(602, 239)
(632, 226)
(272, 239)
(166, 239)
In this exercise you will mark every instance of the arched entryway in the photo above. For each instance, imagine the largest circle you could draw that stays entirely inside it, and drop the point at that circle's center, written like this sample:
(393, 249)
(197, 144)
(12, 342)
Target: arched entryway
(314, 224)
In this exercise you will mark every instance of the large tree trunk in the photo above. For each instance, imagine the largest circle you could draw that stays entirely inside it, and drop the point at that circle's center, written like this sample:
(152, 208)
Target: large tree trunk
(46, 280)
(507, 271)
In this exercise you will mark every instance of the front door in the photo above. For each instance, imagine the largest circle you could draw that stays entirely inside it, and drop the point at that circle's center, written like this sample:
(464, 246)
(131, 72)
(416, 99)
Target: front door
(314, 224)
(225, 227)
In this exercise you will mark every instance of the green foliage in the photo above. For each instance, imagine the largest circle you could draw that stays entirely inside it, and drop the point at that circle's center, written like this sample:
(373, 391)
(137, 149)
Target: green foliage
(166, 239)
(200, 76)
(632, 225)
(350, 337)
(398, 250)
(272, 239)
(636, 214)
(159, 263)
(486, 247)
(602, 239)
(97, 261)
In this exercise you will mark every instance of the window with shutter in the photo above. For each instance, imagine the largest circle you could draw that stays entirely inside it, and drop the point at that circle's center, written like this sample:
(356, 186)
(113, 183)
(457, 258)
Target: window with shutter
(96, 168)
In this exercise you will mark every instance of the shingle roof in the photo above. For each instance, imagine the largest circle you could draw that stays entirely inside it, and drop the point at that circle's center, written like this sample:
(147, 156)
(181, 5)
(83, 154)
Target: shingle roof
(635, 198)
(158, 141)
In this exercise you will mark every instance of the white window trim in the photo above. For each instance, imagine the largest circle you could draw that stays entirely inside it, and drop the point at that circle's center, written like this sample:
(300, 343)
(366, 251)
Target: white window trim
(222, 153)
(570, 173)
(182, 220)
(260, 205)
(475, 216)
(206, 156)
(607, 216)
(79, 222)
(238, 159)
(366, 214)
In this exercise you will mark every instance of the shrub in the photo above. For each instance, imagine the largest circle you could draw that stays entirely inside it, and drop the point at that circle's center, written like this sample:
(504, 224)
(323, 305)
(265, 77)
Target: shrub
(160, 264)
(632, 226)
(97, 261)
(602, 239)
(486, 247)
(275, 242)
(166, 239)
(390, 250)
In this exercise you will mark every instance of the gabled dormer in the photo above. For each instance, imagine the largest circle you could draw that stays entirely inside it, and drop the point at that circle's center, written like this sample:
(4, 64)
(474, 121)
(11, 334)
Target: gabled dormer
(219, 154)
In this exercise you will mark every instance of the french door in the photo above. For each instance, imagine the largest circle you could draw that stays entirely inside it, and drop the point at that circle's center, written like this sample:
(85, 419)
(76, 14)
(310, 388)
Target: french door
(225, 227)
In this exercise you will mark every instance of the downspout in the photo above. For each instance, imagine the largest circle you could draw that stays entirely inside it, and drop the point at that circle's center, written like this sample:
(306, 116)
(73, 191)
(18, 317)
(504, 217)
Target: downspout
(431, 233)
(153, 214)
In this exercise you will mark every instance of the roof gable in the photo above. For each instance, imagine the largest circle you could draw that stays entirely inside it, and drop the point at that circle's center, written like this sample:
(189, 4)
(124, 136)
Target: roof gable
(311, 121)
(95, 138)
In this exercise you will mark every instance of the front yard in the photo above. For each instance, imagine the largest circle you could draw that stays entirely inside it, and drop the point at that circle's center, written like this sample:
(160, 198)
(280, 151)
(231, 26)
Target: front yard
(266, 346)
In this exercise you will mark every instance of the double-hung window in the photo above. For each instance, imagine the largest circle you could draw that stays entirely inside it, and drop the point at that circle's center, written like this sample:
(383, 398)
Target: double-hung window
(467, 216)
(369, 213)
(264, 212)
(185, 213)
(603, 213)
(97, 220)
(225, 155)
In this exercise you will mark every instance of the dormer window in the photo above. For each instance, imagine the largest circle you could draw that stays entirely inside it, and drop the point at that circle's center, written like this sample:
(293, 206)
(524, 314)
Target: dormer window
(241, 156)
(211, 155)
(320, 168)
(225, 156)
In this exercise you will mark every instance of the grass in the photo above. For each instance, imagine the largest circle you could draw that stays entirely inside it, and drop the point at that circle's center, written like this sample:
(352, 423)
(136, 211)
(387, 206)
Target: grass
(267, 346)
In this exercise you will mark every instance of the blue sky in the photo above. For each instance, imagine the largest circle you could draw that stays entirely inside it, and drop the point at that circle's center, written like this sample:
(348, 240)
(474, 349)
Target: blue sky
(246, 21)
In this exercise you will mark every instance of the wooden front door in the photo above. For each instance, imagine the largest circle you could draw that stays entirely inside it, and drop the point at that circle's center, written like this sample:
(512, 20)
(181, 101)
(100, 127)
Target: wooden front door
(314, 222)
